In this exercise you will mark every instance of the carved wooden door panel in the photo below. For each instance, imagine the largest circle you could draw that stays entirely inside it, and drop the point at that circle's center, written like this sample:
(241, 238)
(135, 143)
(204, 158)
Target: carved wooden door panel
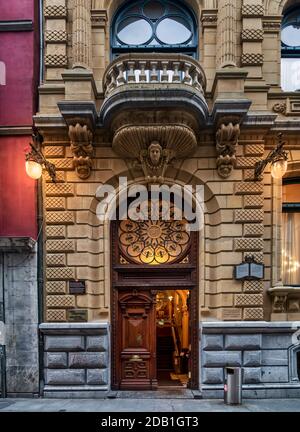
(136, 340)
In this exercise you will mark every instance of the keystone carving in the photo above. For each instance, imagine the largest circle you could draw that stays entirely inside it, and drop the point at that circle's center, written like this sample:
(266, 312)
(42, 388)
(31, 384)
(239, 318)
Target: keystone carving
(82, 149)
(226, 143)
(279, 303)
(280, 108)
(154, 162)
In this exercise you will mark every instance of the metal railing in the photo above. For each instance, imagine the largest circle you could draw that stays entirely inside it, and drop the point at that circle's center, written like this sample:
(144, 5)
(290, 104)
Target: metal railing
(151, 69)
(2, 372)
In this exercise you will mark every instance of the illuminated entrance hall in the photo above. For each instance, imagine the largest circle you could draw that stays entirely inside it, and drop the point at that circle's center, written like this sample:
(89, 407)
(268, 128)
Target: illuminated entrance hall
(172, 338)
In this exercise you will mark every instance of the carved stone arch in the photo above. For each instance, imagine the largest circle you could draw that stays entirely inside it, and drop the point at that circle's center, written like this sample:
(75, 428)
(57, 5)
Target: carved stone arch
(277, 7)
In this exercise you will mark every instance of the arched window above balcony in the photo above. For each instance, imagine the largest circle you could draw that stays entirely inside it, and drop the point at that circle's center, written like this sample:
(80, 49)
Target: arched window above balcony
(154, 26)
(290, 50)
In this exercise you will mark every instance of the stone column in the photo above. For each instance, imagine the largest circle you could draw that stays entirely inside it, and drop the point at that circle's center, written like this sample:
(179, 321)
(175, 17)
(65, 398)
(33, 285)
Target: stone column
(226, 34)
(82, 34)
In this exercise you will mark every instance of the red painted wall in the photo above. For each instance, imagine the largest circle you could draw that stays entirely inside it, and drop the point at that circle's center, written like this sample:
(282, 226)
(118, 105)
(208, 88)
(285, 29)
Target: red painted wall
(19, 51)
(17, 190)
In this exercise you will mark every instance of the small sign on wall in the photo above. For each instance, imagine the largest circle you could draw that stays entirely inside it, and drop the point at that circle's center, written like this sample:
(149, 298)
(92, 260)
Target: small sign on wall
(77, 315)
(77, 286)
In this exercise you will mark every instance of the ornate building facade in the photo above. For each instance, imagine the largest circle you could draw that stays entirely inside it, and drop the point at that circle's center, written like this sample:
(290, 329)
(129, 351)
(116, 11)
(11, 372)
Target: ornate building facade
(176, 93)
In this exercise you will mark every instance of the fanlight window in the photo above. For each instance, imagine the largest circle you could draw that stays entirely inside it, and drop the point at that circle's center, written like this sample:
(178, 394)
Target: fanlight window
(290, 49)
(154, 25)
(160, 241)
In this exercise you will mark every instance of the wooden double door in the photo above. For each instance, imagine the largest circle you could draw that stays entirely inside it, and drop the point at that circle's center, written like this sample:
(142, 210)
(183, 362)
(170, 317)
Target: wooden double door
(134, 339)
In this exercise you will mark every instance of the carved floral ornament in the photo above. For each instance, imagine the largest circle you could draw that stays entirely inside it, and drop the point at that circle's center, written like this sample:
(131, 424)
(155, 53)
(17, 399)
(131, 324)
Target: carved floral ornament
(226, 143)
(82, 149)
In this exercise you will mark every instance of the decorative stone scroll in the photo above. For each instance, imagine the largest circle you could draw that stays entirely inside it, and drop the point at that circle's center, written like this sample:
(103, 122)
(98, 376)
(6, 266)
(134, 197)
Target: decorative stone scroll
(82, 149)
(226, 143)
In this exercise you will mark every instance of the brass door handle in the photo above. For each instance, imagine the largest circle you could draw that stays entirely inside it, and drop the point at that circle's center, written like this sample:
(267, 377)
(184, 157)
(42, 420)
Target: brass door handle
(136, 358)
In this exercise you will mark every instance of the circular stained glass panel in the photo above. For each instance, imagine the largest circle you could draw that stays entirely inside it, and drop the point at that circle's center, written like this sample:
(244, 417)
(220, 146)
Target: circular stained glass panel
(290, 35)
(173, 31)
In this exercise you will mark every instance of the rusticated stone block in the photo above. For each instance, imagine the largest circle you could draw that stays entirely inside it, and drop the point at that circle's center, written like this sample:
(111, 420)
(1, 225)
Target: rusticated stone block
(253, 314)
(60, 301)
(253, 230)
(272, 374)
(88, 360)
(251, 375)
(60, 177)
(252, 35)
(55, 11)
(212, 342)
(252, 59)
(64, 343)
(276, 341)
(55, 203)
(213, 376)
(258, 256)
(232, 314)
(249, 215)
(242, 342)
(59, 189)
(60, 246)
(56, 287)
(56, 360)
(254, 150)
(56, 231)
(56, 60)
(60, 217)
(253, 286)
(55, 260)
(54, 151)
(254, 201)
(249, 188)
(248, 244)
(248, 299)
(60, 273)
(275, 357)
(56, 315)
(252, 358)
(97, 377)
(252, 10)
(96, 343)
(221, 358)
(65, 164)
(64, 377)
(55, 36)
(246, 162)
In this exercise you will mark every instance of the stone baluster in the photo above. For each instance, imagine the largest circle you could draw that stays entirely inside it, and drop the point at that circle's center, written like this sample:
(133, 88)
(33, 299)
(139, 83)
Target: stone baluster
(143, 77)
(120, 78)
(164, 75)
(176, 75)
(82, 34)
(154, 71)
(112, 84)
(131, 75)
(195, 80)
(187, 77)
(227, 33)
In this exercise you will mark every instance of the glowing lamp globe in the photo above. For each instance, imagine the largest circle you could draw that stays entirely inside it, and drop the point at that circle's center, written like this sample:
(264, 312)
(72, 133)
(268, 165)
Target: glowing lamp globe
(279, 168)
(33, 169)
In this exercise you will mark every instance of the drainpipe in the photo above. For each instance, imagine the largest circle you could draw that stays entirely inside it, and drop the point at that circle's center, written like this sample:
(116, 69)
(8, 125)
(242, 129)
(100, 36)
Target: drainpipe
(40, 240)
(2, 347)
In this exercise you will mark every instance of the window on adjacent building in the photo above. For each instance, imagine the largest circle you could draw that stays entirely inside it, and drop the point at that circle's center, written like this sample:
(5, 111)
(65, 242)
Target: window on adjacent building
(154, 26)
(291, 232)
(290, 50)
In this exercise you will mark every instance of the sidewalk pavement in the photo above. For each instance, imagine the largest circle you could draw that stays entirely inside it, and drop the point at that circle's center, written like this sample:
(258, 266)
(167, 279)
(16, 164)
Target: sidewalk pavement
(146, 405)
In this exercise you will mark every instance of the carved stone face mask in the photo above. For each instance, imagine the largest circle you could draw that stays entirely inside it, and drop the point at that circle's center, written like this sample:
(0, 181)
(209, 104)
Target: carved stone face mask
(155, 152)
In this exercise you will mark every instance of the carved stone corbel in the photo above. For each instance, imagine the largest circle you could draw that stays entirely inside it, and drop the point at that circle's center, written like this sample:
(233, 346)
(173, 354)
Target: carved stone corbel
(82, 149)
(226, 143)
(279, 303)
(154, 162)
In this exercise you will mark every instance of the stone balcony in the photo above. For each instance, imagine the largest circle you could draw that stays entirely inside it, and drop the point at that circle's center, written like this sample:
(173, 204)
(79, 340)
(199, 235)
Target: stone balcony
(154, 82)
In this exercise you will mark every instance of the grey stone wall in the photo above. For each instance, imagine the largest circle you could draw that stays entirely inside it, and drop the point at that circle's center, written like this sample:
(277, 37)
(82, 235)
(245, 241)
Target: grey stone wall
(18, 281)
(264, 351)
(76, 359)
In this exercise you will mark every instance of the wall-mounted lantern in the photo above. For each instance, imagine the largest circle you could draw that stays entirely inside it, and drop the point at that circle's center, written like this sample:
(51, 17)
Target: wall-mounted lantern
(36, 161)
(249, 269)
(277, 158)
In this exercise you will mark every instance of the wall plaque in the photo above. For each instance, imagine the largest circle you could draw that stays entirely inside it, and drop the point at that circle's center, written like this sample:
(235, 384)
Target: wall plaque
(77, 286)
(77, 315)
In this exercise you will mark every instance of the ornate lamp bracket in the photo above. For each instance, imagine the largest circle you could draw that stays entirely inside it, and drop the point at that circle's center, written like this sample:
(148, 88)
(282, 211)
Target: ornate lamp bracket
(226, 144)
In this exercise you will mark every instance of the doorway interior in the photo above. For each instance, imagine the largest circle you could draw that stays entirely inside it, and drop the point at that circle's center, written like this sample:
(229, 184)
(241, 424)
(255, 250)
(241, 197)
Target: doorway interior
(173, 347)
